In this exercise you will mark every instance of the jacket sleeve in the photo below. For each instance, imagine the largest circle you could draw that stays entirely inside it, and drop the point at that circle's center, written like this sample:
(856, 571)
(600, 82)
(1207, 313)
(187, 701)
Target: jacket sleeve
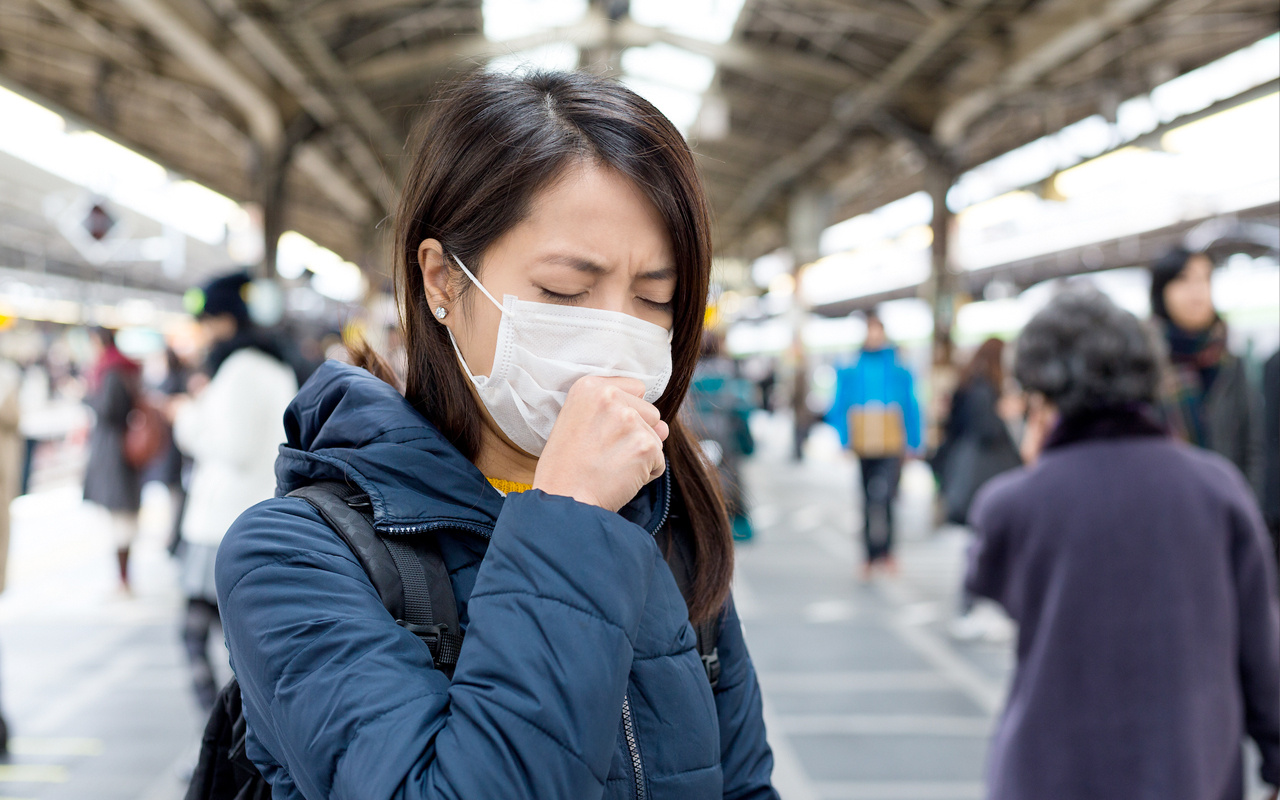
(838, 415)
(1259, 633)
(745, 757)
(1252, 433)
(910, 410)
(347, 703)
(987, 574)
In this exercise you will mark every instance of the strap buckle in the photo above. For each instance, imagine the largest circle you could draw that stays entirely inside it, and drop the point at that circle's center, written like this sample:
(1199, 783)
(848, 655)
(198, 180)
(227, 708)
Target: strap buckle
(430, 634)
(711, 663)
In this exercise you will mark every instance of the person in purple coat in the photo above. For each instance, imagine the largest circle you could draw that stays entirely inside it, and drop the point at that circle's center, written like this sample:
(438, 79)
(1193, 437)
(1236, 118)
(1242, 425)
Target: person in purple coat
(1138, 571)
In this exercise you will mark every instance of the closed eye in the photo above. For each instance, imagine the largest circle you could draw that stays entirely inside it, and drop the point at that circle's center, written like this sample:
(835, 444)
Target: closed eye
(556, 297)
(657, 306)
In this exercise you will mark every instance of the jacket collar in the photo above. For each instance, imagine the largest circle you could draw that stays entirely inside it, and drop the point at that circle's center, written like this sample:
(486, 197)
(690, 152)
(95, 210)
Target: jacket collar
(345, 424)
(1137, 419)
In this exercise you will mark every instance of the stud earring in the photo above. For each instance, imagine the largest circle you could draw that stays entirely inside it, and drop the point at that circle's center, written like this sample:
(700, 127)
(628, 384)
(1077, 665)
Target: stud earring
(441, 312)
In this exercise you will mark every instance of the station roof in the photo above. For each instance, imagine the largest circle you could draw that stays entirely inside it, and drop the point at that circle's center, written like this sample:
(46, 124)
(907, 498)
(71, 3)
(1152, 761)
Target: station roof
(854, 98)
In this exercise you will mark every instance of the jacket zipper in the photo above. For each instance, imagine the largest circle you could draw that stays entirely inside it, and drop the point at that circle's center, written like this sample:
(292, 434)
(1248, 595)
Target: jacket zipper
(633, 747)
(399, 530)
(487, 533)
(666, 500)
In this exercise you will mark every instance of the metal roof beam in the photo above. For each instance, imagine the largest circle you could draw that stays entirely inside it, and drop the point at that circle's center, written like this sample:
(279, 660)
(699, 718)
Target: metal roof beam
(741, 56)
(1056, 37)
(268, 51)
(358, 109)
(412, 64)
(594, 32)
(850, 110)
(260, 113)
(400, 30)
(266, 125)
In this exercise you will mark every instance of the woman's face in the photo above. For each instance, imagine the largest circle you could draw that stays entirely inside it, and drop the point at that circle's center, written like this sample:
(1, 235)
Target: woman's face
(592, 240)
(1189, 297)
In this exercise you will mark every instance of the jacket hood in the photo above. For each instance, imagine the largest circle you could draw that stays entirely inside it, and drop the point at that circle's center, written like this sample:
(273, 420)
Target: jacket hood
(346, 424)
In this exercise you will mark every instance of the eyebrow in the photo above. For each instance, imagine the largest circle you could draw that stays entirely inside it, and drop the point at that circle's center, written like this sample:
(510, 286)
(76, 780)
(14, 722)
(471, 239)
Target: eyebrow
(592, 268)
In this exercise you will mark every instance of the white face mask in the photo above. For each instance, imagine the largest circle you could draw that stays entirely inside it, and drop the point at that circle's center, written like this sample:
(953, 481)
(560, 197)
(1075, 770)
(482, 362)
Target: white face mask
(543, 349)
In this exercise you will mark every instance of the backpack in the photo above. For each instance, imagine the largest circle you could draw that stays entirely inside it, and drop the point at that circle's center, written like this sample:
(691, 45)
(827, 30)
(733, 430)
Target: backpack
(413, 583)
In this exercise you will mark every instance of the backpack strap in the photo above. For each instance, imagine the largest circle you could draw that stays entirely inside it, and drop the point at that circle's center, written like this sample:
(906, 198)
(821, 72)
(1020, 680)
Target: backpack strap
(708, 632)
(408, 574)
(430, 611)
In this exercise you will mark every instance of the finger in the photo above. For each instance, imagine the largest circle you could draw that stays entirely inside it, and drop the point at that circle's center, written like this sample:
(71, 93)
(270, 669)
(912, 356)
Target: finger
(631, 386)
(658, 468)
(662, 429)
(648, 411)
(659, 457)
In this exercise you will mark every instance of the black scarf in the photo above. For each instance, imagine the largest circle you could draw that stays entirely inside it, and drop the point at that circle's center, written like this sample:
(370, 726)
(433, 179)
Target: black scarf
(1135, 419)
(246, 336)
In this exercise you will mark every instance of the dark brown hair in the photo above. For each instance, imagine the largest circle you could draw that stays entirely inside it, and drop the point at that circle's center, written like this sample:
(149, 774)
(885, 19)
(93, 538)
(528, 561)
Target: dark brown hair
(488, 146)
(988, 363)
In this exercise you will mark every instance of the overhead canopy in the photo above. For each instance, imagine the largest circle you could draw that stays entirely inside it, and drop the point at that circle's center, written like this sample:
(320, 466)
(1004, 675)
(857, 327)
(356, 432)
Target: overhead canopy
(853, 99)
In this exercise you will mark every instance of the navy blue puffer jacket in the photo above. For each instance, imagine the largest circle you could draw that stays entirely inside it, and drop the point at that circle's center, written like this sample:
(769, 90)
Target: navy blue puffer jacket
(570, 612)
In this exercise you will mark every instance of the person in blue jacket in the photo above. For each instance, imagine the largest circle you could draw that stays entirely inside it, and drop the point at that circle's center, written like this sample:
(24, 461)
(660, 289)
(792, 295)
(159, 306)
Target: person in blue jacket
(877, 416)
(553, 249)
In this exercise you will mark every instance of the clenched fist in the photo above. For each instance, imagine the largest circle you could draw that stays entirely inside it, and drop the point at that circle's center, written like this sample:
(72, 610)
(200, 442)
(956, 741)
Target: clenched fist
(605, 446)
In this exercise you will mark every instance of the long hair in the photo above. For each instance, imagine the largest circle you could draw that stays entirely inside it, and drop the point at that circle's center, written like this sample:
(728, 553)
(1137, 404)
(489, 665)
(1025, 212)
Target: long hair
(987, 363)
(488, 146)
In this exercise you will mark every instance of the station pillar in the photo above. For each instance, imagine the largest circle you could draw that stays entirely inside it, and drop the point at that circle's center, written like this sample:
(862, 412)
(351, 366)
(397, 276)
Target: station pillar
(808, 214)
(941, 285)
(271, 181)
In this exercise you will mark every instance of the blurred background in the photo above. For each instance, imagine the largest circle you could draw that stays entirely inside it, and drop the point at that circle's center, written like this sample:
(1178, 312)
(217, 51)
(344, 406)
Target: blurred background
(945, 163)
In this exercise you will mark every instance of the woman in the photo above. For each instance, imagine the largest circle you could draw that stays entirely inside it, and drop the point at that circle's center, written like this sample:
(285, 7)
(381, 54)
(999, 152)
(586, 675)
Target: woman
(719, 413)
(1208, 399)
(978, 445)
(1137, 570)
(552, 236)
(230, 428)
(109, 479)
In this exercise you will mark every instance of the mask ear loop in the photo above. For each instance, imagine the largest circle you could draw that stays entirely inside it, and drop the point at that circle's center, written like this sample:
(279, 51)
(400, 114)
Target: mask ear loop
(477, 283)
(454, 341)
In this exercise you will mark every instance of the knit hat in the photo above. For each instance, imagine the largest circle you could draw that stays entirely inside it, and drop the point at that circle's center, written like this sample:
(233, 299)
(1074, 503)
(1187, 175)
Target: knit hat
(222, 295)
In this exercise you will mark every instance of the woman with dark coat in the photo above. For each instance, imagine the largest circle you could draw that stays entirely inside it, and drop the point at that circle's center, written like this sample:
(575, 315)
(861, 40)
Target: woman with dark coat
(978, 445)
(110, 480)
(1207, 397)
(553, 252)
(1138, 571)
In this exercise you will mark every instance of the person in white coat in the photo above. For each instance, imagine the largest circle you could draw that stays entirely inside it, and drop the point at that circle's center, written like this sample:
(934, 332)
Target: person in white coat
(230, 426)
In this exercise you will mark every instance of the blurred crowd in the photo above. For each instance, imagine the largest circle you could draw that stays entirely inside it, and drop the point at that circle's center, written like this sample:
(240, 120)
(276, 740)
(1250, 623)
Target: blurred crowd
(1065, 453)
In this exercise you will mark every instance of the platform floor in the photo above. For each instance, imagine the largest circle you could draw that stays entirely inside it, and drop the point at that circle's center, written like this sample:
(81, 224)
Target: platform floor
(867, 696)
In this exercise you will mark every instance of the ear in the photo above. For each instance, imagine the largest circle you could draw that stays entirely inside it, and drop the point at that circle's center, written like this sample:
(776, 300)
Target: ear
(435, 274)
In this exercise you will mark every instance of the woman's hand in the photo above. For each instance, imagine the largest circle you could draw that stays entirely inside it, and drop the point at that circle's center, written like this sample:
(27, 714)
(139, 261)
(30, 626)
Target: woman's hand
(605, 446)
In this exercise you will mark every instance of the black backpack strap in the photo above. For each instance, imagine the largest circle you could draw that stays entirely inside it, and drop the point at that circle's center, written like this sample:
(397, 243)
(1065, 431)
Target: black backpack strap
(708, 635)
(410, 578)
(429, 607)
(341, 507)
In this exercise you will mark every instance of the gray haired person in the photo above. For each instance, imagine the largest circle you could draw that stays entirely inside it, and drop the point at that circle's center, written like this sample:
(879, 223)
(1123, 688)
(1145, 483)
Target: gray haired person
(1138, 571)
